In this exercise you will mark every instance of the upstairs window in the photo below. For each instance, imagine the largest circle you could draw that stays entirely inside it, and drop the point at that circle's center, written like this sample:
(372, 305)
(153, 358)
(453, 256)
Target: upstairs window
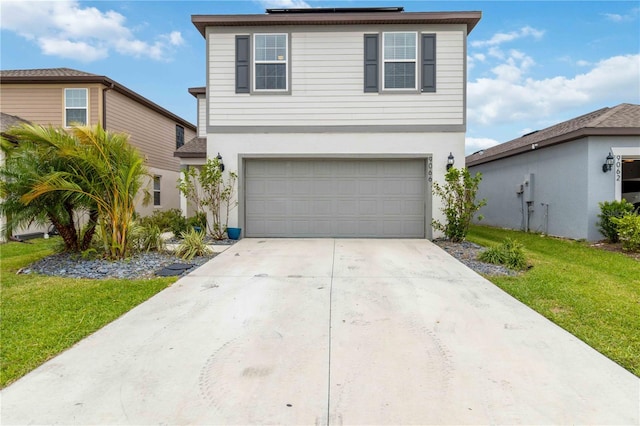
(270, 56)
(399, 55)
(179, 136)
(406, 62)
(75, 107)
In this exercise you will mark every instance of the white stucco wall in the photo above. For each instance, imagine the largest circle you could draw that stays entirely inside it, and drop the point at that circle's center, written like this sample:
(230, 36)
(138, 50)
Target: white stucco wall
(567, 186)
(438, 145)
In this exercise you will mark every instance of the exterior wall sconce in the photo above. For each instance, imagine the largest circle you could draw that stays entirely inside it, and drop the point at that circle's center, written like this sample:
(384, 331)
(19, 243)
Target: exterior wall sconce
(450, 161)
(219, 158)
(608, 164)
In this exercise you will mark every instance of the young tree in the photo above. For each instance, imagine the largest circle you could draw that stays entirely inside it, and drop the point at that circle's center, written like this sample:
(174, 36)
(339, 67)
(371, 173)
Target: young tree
(208, 189)
(458, 195)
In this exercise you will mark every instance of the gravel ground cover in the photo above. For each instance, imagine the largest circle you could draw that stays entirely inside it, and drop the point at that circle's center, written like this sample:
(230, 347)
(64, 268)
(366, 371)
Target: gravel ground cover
(467, 253)
(138, 266)
(148, 264)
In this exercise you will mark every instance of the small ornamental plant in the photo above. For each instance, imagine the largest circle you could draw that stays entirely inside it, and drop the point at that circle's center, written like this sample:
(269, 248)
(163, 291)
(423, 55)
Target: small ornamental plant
(458, 195)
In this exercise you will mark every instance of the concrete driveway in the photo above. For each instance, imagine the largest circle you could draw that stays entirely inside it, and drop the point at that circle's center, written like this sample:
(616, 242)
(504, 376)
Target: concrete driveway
(324, 331)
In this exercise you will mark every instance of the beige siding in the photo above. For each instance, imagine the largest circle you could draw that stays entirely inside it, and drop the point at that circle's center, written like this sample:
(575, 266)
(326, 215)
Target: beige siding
(327, 83)
(202, 116)
(44, 104)
(152, 133)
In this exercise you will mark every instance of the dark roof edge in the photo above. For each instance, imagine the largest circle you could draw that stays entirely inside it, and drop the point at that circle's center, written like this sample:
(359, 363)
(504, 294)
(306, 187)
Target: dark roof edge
(190, 154)
(195, 91)
(470, 18)
(106, 81)
(567, 137)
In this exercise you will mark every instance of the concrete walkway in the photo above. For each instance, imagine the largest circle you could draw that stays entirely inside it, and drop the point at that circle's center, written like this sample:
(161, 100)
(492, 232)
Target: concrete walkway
(328, 332)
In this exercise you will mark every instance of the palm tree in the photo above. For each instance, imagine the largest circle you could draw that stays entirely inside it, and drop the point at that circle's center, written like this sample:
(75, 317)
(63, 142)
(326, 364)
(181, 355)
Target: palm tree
(27, 160)
(100, 169)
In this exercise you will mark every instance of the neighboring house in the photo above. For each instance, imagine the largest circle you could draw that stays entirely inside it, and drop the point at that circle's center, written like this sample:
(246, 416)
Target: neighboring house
(551, 180)
(63, 96)
(336, 120)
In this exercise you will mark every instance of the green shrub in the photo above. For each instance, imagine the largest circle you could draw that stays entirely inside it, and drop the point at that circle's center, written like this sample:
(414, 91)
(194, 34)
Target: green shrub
(458, 196)
(151, 239)
(199, 219)
(610, 210)
(629, 231)
(167, 220)
(192, 245)
(510, 254)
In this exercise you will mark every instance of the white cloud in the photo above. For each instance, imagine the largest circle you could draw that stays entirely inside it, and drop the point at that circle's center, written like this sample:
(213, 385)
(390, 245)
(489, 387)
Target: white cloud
(65, 28)
(500, 38)
(476, 144)
(511, 97)
(583, 63)
(284, 4)
(73, 50)
(628, 17)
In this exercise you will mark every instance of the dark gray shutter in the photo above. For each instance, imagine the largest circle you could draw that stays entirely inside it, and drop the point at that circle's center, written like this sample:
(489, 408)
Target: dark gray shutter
(371, 67)
(243, 64)
(428, 62)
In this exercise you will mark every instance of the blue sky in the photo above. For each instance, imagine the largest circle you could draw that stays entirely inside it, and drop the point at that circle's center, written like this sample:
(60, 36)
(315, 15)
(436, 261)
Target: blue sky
(531, 64)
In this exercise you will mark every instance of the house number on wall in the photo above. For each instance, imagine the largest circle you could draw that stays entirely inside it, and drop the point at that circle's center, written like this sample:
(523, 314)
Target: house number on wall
(429, 170)
(618, 168)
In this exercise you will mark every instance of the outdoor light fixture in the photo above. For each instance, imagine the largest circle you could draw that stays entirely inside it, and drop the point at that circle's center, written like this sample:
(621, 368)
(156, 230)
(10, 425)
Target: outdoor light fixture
(219, 158)
(450, 161)
(608, 164)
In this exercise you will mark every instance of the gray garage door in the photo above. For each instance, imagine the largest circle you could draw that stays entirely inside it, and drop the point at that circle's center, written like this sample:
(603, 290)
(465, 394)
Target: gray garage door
(335, 198)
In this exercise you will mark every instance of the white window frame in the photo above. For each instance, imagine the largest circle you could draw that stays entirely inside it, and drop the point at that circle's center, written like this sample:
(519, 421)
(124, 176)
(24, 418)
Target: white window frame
(284, 61)
(159, 190)
(415, 62)
(67, 108)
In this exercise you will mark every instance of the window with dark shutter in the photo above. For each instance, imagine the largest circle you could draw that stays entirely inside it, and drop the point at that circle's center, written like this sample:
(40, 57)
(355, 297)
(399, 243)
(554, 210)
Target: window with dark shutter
(371, 62)
(243, 64)
(428, 62)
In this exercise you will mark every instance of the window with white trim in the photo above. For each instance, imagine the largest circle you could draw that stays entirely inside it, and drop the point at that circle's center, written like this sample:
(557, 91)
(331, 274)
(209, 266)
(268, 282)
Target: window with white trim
(400, 65)
(270, 57)
(156, 191)
(75, 106)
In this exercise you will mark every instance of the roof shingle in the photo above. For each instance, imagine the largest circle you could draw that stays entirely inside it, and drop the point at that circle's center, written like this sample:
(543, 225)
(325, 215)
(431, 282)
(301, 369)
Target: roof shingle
(623, 119)
(46, 72)
(195, 148)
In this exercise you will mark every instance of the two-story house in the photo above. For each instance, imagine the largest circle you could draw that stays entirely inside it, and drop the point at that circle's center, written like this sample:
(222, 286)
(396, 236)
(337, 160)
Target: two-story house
(63, 96)
(337, 121)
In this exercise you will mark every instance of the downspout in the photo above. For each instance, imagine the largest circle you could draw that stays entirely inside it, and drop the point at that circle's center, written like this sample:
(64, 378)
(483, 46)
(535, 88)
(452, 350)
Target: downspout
(104, 105)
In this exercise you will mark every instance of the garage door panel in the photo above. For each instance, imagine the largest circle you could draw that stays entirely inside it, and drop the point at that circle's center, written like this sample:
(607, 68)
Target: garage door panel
(335, 198)
(323, 207)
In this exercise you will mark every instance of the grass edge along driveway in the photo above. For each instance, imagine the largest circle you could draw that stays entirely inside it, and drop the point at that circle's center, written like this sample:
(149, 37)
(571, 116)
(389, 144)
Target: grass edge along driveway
(43, 315)
(593, 294)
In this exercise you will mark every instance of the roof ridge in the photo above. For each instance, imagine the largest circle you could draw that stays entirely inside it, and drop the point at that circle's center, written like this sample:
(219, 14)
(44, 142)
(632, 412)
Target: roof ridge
(602, 117)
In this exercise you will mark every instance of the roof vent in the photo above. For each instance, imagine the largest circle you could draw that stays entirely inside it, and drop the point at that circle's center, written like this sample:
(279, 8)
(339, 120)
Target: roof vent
(335, 10)
(530, 133)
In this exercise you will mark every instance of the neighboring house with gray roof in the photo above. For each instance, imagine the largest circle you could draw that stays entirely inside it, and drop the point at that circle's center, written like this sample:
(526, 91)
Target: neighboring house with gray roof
(552, 180)
(64, 96)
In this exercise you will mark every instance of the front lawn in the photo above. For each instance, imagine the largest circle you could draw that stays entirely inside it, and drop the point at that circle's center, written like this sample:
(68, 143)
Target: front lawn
(42, 316)
(592, 293)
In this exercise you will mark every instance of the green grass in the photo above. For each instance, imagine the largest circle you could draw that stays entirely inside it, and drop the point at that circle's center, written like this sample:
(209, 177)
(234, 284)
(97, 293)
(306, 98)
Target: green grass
(42, 316)
(593, 294)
